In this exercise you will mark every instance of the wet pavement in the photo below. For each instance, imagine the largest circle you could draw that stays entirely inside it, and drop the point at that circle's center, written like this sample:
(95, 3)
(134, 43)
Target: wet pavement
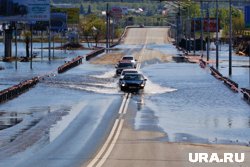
(66, 117)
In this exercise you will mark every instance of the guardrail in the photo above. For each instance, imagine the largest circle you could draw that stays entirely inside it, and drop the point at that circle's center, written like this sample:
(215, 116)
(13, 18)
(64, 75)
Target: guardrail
(73, 63)
(246, 94)
(231, 84)
(18, 89)
(94, 53)
(228, 82)
(203, 64)
(216, 73)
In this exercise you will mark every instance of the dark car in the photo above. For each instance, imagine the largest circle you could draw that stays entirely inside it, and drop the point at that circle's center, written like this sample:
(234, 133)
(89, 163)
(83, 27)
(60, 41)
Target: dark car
(123, 65)
(132, 82)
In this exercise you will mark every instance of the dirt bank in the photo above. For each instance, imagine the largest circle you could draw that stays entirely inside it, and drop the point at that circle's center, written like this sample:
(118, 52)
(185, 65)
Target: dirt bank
(108, 59)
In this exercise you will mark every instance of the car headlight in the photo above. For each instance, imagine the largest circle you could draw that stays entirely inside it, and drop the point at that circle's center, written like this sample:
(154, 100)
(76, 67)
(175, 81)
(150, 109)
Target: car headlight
(142, 85)
(123, 84)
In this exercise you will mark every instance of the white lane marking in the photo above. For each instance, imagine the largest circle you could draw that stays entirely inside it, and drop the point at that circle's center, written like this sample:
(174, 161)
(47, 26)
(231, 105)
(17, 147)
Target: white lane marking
(123, 109)
(126, 105)
(106, 144)
(122, 105)
(106, 155)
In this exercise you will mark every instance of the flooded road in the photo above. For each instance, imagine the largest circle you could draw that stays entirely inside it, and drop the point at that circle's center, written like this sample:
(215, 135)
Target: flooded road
(66, 118)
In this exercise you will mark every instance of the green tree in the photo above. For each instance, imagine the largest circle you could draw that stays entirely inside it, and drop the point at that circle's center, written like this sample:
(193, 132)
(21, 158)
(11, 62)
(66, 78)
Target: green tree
(92, 27)
(238, 22)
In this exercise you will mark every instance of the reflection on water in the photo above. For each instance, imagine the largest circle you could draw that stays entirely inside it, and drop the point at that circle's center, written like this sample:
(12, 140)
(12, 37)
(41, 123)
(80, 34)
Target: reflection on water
(201, 110)
(9, 119)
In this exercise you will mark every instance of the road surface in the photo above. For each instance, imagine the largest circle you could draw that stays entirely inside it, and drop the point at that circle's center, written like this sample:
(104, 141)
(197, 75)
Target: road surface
(146, 147)
(81, 118)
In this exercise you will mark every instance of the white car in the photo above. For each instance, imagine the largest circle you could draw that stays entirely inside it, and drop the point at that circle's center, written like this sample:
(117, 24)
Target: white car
(130, 58)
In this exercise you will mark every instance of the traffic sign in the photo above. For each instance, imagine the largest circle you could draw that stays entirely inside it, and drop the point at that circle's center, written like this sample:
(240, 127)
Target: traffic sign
(247, 16)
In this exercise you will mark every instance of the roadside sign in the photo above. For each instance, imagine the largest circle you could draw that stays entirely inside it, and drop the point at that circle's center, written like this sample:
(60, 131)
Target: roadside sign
(59, 22)
(116, 12)
(247, 16)
(73, 14)
(197, 23)
(24, 10)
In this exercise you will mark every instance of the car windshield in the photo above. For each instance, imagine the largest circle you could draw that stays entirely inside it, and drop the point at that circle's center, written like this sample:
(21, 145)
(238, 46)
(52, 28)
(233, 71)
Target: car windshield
(129, 72)
(127, 58)
(121, 65)
(133, 77)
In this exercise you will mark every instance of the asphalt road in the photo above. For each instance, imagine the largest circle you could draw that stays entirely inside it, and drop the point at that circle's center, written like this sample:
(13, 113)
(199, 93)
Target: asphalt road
(80, 118)
(143, 148)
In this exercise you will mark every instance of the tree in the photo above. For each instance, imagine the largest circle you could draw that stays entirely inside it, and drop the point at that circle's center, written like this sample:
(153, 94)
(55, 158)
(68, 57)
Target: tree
(92, 27)
(238, 22)
(27, 42)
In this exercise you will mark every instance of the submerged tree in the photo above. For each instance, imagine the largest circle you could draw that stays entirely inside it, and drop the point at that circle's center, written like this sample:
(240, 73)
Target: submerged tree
(27, 42)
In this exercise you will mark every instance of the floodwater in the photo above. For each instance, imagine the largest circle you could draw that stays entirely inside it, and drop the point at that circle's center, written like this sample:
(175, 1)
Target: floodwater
(240, 65)
(65, 118)
(202, 109)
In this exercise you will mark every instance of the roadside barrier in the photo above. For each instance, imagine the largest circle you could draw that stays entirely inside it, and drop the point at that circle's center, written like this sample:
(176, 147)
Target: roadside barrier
(216, 73)
(246, 94)
(231, 84)
(18, 89)
(94, 53)
(71, 64)
(203, 64)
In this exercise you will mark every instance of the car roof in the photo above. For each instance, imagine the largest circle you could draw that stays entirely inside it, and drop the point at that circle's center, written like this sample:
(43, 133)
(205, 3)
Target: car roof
(130, 70)
(125, 61)
(133, 74)
(128, 56)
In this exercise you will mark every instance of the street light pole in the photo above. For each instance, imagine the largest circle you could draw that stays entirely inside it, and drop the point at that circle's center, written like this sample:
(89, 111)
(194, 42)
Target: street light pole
(189, 28)
(15, 45)
(208, 32)
(107, 27)
(49, 30)
(194, 36)
(230, 38)
(217, 35)
(178, 24)
(201, 28)
(31, 47)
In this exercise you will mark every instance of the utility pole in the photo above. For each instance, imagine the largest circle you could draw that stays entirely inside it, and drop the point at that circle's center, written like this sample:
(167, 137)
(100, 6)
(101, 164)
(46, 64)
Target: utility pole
(42, 44)
(201, 28)
(178, 19)
(31, 45)
(107, 27)
(15, 45)
(194, 36)
(217, 35)
(208, 32)
(53, 45)
(230, 38)
(189, 28)
(49, 30)
(186, 37)
(179, 23)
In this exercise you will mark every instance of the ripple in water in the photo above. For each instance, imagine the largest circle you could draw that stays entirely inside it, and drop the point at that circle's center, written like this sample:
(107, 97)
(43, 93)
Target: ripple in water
(105, 83)
(153, 88)
(109, 74)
